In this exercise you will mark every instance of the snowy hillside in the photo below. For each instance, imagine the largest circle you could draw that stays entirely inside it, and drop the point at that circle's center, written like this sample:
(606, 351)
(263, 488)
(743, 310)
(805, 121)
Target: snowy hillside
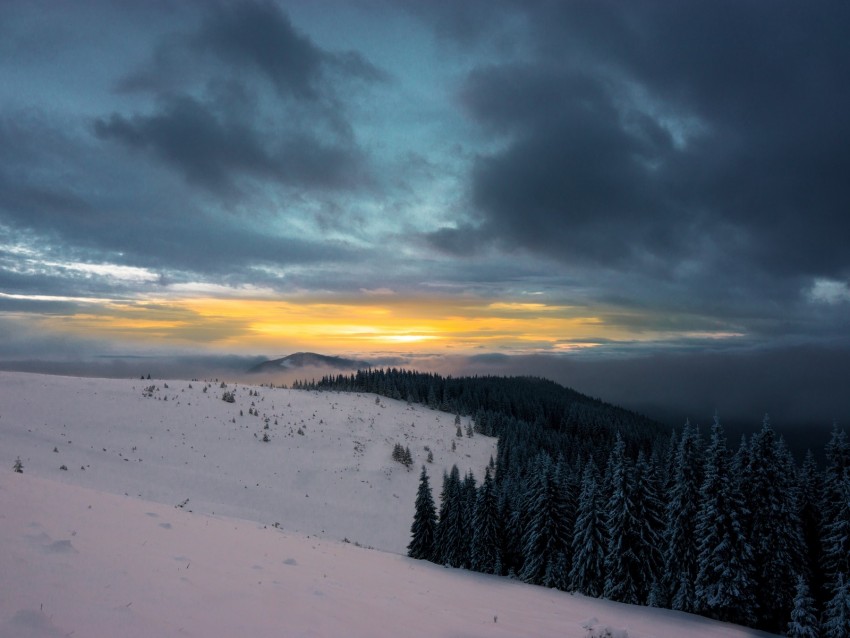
(77, 562)
(327, 469)
(163, 523)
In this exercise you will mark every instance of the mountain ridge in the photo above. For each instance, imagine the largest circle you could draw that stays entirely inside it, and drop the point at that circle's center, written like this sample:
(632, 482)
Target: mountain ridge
(309, 359)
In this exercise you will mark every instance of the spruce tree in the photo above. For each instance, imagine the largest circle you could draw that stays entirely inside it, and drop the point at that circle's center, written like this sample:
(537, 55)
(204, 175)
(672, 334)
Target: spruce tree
(623, 569)
(776, 531)
(724, 585)
(451, 543)
(484, 554)
(804, 621)
(810, 491)
(424, 527)
(547, 533)
(681, 560)
(836, 507)
(649, 515)
(589, 540)
(836, 616)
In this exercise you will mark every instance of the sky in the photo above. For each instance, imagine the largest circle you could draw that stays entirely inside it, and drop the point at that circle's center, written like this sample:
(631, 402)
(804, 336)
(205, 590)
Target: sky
(631, 190)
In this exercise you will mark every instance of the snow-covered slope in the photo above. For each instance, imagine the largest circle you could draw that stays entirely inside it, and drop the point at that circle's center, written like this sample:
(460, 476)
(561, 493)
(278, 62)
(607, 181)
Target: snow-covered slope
(163, 523)
(337, 480)
(78, 562)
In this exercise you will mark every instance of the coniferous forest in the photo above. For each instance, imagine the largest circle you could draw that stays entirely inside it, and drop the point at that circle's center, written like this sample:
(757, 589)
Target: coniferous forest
(587, 497)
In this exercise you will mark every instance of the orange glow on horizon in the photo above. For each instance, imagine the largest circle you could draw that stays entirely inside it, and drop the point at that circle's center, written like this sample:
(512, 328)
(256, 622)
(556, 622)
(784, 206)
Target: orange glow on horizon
(346, 325)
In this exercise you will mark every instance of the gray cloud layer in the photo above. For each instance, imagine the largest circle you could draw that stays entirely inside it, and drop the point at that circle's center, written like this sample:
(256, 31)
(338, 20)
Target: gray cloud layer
(677, 167)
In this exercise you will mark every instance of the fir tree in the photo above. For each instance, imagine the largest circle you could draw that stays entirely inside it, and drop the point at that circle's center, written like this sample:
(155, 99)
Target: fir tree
(589, 540)
(18, 466)
(623, 569)
(776, 531)
(804, 622)
(836, 507)
(451, 543)
(681, 560)
(484, 554)
(649, 515)
(724, 585)
(547, 533)
(424, 527)
(836, 616)
(810, 491)
(469, 494)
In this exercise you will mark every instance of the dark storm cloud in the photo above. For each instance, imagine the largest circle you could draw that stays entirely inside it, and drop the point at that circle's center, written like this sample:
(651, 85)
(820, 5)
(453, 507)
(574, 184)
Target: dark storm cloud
(575, 183)
(53, 201)
(211, 151)
(647, 135)
(215, 122)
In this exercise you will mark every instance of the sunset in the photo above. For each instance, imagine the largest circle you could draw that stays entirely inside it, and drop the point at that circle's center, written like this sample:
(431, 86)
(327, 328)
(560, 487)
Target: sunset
(426, 318)
(555, 186)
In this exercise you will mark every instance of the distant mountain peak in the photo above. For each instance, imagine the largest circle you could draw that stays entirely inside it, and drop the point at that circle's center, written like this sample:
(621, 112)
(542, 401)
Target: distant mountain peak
(309, 359)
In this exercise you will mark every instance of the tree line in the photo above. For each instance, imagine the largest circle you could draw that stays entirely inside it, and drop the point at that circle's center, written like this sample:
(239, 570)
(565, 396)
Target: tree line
(742, 535)
(586, 497)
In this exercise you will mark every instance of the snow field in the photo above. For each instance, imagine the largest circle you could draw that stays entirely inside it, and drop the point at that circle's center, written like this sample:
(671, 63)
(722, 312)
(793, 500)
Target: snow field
(82, 562)
(336, 480)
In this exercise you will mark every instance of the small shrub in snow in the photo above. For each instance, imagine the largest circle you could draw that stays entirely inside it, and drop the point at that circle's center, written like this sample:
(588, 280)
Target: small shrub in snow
(228, 397)
(63, 467)
(266, 438)
(18, 466)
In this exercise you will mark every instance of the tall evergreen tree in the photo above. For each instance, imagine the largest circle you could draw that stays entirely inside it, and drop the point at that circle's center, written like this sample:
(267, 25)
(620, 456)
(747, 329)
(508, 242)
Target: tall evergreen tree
(469, 494)
(589, 540)
(485, 553)
(623, 569)
(649, 514)
(810, 491)
(836, 507)
(804, 621)
(547, 533)
(836, 616)
(424, 527)
(724, 585)
(451, 535)
(681, 562)
(776, 531)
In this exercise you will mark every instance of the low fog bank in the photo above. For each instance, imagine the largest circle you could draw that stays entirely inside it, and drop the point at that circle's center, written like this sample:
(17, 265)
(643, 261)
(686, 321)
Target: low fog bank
(804, 389)
(231, 368)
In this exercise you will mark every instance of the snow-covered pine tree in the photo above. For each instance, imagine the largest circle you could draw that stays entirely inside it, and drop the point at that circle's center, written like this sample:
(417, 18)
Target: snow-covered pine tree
(724, 584)
(589, 540)
(836, 616)
(424, 527)
(680, 559)
(623, 569)
(485, 550)
(649, 514)
(804, 620)
(470, 495)
(547, 533)
(810, 492)
(835, 507)
(451, 540)
(776, 532)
